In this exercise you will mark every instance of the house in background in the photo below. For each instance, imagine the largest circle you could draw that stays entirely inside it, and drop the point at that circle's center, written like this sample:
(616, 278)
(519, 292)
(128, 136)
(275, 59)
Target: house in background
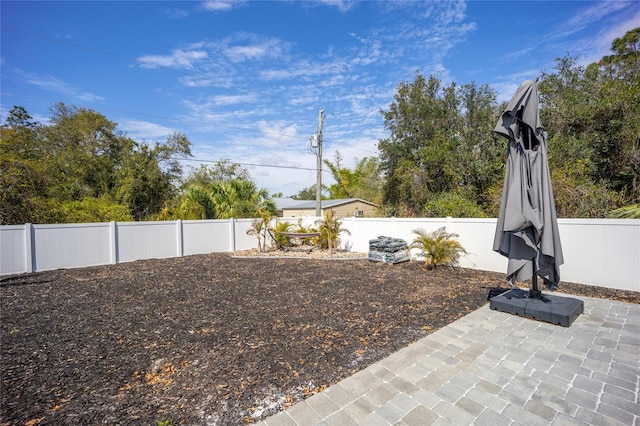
(344, 207)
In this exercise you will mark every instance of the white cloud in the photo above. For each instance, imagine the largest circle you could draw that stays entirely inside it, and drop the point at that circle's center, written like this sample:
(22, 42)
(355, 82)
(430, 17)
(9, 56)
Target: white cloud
(340, 5)
(140, 130)
(178, 58)
(203, 80)
(600, 44)
(232, 99)
(277, 134)
(222, 5)
(254, 49)
(53, 84)
(176, 13)
(594, 13)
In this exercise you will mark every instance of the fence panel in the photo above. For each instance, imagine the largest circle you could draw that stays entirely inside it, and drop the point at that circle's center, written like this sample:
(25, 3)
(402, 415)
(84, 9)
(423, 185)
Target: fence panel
(476, 236)
(13, 249)
(147, 240)
(71, 245)
(205, 236)
(602, 252)
(242, 240)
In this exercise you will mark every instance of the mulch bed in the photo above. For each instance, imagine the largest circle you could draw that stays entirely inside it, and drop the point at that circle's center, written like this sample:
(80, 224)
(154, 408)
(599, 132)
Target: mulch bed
(213, 339)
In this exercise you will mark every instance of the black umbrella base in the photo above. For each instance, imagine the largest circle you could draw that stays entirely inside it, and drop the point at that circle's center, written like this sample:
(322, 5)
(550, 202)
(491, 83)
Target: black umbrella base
(554, 309)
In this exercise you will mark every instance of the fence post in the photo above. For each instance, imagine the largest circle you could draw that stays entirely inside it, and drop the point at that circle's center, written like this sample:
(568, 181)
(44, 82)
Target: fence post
(29, 248)
(448, 225)
(179, 236)
(113, 240)
(232, 234)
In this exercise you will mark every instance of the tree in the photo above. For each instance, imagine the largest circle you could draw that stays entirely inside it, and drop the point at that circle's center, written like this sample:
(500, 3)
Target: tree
(370, 182)
(593, 118)
(625, 60)
(82, 168)
(345, 179)
(618, 76)
(23, 179)
(236, 198)
(481, 151)
(441, 141)
(454, 204)
(222, 170)
(83, 150)
(363, 182)
(260, 227)
(149, 176)
(412, 158)
(308, 193)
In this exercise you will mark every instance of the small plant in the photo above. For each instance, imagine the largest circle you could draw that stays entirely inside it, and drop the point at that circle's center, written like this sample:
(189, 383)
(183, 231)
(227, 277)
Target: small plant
(301, 229)
(259, 228)
(438, 248)
(165, 423)
(256, 228)
(281, 240)
(329, 228)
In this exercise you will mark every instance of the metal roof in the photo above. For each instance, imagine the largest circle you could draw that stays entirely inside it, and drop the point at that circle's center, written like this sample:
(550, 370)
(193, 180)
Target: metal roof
(290, 203)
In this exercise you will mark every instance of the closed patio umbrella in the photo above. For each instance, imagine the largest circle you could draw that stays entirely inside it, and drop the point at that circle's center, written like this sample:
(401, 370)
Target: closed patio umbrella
(527, 228)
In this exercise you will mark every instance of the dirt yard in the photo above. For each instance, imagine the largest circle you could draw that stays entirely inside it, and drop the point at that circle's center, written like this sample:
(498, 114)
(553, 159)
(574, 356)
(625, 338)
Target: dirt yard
(214, 339)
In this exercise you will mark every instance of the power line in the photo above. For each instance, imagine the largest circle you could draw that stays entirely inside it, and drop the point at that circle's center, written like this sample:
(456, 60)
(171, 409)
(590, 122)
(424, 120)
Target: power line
(250, 164)
(164, 117)
(187, 120)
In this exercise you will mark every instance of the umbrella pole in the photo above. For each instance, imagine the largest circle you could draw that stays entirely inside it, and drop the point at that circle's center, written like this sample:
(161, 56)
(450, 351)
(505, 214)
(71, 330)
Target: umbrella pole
(534, 292)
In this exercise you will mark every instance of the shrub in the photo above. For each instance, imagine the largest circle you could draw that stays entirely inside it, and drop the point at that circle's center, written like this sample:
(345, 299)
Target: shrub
(281, 240)
(627, 212)
(438, 248)
(329, 228)
(454, 204)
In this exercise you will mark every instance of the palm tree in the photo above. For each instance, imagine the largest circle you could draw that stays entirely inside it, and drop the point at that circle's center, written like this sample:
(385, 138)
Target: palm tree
(345, 179)
(197, 204)
(236, 198)
(240, 198)
(330, 229)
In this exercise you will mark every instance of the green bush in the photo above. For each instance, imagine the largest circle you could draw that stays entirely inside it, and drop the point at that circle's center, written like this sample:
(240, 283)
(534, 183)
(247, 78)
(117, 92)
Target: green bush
(438, 248)
(452, 204)
(281, 240)
(627, 212)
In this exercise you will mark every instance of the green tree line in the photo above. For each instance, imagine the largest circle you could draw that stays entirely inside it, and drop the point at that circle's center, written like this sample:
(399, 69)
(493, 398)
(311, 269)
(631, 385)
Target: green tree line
(441, 157)
(80, 168)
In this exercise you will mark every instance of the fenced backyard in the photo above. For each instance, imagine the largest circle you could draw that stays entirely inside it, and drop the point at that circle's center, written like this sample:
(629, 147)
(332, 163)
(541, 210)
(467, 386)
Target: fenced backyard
(194, 335)
(600, 252)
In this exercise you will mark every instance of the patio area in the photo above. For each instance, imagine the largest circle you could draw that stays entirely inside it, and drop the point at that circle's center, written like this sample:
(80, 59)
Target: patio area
(492, 368)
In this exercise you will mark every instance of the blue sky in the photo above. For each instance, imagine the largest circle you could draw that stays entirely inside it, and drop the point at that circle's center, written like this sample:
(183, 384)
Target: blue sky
(245, 80)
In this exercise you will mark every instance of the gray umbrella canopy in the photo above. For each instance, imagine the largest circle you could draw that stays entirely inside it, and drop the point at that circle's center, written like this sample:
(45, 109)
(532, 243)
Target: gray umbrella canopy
(527, 229)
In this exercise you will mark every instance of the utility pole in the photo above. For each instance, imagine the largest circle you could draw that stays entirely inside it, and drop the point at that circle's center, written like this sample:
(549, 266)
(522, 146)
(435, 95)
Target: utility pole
(319, 177)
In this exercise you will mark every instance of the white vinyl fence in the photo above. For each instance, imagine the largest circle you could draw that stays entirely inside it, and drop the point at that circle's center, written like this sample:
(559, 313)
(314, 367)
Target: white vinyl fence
(602, 252)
